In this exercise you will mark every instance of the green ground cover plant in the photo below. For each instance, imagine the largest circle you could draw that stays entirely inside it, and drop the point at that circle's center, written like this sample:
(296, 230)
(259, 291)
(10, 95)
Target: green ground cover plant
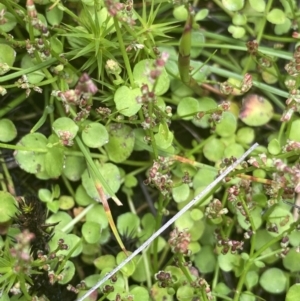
(116, 115)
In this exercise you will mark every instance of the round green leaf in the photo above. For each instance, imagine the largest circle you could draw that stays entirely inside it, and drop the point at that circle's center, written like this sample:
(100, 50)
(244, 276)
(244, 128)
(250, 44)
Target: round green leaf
(71, 240)
(62, 218)
(281, 29)
(222, 289)
(274, 147)
(209, 264)
(184, 221)
(294, 133)
(283, 219)
(245, 135)
(8, 131)
(197, 38)
(201, 14)
(213, 150)
(74, 166)
(239, 19)
(82, 198)
(263, 237)
(91, 232)
(57, 46)
(188, 106)
(294, 238)
(66, 202)
(185, 293)
(45, 195)
(97, 215)
(65, 128)
(130, 181)
(292, 261)
(197, 230)
(163, 82)
(269, 75)
(233, 5)
(233, 150)
(180, 193)
(205, 104)
(228, 261)
(30, 161)
(247, 296)
(204, 177)
(33, 77)
(54, 158)
(95, 135)
(129, 268)
(140, 293)
(7, 206)
(180, 13)
(110, 173)
(68, 272)
(276, 16)
(273, 281)
(105, 261)
(54, 15)
(251, 279)
(237, 32)
(227, 126)
(256, 217)
(8, 18)
(139, 274)
(121, 142)
(164, 137)
(256, 110)
(126, 100)
(258, 5)
(293, 293)
(128, 223)
(7, 56)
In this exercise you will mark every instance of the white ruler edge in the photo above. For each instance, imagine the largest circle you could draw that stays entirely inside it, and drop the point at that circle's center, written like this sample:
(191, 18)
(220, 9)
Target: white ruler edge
(171, 221)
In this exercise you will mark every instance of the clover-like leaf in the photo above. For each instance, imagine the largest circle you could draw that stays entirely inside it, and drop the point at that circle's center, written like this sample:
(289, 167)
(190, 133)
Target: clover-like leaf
(8, 131)
(188, 106)
(8, 18)
(209, 264)
(293, 293)
(121, 142)
(140, 77)
(227, 126)
(258, 5)
(256, 110)
(7, 58)
(91, 232)
(233, 5)
(33, 77)
(7, 206)
(164, 137)
(126, 100)
(110, 173)
(68, 272)
(276, 16)
(54, 15)
(273, 280)
(95, 135)
(292, 261)
(294, 133)
(66, 129)
(74, 166)
(31, 161)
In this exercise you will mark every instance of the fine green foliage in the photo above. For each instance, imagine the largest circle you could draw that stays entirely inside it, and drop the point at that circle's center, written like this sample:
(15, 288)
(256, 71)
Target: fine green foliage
(115, 115)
